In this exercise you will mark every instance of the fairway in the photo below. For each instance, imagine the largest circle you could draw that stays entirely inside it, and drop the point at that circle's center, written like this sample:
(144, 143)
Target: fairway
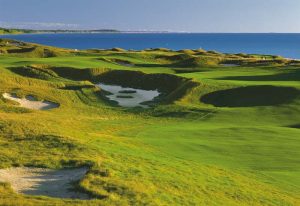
(149, 127)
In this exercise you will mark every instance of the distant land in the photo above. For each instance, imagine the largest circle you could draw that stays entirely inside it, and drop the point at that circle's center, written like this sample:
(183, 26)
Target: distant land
(37, 31)
(32, 31)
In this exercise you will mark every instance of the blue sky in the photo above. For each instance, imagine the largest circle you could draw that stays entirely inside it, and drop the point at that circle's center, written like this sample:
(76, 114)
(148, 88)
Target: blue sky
(162, 15)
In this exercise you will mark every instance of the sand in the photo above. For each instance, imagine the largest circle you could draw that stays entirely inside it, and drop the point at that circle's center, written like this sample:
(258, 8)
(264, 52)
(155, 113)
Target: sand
(230, 65)
(44, 182)
(134, 99)
(30, 103)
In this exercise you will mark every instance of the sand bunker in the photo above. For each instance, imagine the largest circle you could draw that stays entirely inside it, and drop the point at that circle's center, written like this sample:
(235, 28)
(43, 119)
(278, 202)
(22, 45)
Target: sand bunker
(31, 103)
(44, 182)
(124, 63)
(230, 65)
(129, 97)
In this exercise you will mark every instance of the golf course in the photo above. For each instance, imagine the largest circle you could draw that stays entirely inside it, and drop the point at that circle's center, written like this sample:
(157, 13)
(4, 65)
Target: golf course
(147, 127)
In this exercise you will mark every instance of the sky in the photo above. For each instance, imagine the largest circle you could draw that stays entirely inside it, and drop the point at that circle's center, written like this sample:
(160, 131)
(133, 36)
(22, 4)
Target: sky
(282, 16)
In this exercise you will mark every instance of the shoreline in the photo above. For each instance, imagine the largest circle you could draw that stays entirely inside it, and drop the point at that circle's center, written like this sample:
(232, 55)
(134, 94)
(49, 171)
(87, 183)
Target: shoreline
(204, 40)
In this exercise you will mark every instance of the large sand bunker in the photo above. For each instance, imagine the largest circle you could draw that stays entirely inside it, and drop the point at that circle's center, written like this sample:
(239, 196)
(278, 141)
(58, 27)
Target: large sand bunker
(30, 102)
(129, 97)
(44, 182)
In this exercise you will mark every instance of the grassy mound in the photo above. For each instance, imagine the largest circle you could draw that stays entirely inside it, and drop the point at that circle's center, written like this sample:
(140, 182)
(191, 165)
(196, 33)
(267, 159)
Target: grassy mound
(157, 50)
(35, 71)
(198, 62)
(187, 51)
(175, 58)
(61, 152)
(251, 96)
(256, 62)
(199, 51)
(22, 49)
(188, 60)
(116, 49)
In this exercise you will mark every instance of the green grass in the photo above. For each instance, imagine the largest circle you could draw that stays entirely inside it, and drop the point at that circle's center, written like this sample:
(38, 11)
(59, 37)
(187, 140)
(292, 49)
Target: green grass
(188, 152)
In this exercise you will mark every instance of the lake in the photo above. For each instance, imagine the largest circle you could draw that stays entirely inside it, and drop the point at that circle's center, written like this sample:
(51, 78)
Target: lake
(287, 45)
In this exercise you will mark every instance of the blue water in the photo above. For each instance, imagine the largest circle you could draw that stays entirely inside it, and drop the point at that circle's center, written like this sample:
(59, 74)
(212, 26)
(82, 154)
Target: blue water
(287, 45)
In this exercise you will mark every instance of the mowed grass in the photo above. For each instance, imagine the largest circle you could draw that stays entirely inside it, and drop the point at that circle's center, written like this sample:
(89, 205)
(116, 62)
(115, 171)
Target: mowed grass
(184, 153)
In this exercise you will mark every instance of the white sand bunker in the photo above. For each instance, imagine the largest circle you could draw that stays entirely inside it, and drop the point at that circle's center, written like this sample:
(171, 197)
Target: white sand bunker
(44, 182)
(31, 103)
(129, 97)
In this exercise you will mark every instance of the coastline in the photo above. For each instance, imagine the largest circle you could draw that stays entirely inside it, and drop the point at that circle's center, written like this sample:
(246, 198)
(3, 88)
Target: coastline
(263, 43)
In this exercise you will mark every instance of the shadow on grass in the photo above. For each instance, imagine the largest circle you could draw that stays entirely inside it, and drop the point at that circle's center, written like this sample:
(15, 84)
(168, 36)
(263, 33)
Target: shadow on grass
(77, 87)
(251, 96)
(295, 126)
(289, 75)
(152, 65)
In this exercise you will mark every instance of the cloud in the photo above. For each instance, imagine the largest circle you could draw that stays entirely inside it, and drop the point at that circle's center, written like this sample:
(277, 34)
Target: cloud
(38, 25)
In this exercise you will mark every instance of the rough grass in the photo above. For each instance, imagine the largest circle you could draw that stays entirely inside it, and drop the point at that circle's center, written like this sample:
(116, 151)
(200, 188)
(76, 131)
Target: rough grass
(180, 153)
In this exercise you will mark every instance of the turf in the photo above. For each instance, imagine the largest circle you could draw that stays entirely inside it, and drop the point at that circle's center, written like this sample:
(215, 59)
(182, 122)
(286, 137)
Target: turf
(231, 137)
